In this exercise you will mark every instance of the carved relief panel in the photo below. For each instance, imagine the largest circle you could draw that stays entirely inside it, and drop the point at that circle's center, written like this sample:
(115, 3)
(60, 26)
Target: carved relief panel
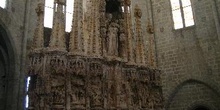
(95, 88)
(144, 88)
(56, 83)
(77, 79)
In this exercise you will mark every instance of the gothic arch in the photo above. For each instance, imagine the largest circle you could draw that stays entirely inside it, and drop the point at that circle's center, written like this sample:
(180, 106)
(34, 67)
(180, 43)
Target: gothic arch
(201, 106)
(7, 73)
(175, 90)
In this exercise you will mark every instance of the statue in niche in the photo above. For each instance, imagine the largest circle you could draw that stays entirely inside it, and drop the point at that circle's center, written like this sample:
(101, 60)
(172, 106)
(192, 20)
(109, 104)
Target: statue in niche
(112, 35)
(158, 100)
(58, 94)
(77, 96)
(95, 93)
(108, 21)
(111, 98)
(108, 18)
(123, 95)
(122, 41)
(73, 94)
(144, 95)
(151, 102)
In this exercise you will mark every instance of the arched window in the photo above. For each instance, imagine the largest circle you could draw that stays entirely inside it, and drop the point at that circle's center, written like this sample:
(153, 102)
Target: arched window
(48, 15)
(3, 3)
(182, 13)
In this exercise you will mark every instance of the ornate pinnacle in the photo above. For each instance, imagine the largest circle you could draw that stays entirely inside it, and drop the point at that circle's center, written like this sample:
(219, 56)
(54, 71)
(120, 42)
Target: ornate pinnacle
(38, 39)
(57, 41)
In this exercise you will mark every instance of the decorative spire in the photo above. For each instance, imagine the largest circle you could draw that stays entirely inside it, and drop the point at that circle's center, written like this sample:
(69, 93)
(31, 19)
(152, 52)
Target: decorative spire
(151, 49)
(57, 39)
(103, 27)
(140, 57)
(76, 34)
(38, 41)
(94, 41)
(128, 31)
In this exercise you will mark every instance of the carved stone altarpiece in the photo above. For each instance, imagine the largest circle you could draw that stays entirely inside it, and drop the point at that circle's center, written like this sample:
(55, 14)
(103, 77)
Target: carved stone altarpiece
(97, 68)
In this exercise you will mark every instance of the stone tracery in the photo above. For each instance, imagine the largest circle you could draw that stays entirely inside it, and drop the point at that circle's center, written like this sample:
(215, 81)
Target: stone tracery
(105, 76)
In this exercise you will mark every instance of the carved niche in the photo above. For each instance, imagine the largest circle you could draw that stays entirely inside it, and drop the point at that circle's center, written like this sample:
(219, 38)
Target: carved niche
(144, 88)
(115, 39)
(56, 82)
(77, 91)
(95, 85)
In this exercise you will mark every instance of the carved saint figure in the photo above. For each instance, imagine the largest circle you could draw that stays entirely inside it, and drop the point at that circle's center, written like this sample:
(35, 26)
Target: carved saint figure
(122, 45)
(113, 38)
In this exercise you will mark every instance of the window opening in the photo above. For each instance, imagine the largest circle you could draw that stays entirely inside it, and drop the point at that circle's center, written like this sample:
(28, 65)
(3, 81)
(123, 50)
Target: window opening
(3, 3)
(182, 13)
(27, 88)
(48, 16)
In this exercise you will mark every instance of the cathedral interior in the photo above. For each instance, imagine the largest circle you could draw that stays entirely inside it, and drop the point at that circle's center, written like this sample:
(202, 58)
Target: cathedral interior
(110, 54)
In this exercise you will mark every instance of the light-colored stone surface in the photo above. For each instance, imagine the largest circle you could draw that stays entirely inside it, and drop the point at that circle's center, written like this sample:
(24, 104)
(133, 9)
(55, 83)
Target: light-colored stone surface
(94, 79)
(182, 55)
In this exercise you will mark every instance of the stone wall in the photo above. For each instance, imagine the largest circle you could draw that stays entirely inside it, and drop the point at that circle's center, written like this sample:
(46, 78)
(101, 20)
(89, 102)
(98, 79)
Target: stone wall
(192, 93)
(188, 53)
(13, 34)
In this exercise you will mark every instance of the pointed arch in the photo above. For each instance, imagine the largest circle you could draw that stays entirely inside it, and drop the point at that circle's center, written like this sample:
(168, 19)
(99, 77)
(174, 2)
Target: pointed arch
(7, 52)
(176, 90)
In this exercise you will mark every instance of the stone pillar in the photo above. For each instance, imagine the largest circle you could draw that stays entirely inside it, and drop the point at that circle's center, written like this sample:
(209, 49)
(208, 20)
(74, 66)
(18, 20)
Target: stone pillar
(94, 41)
(128, 31)
(103, 28)
(38, 41)
(122, 40)
(57, 39)
(76, 34)
(140, 56)
(151, 47)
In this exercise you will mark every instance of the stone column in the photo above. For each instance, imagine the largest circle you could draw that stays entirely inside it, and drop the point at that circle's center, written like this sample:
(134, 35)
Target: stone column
(128, 31)
(151, 47)
(57, 39)
(90, 18)
(76, 34)
(103, 27)
(38, 41)
(140, 56)
(94, 42)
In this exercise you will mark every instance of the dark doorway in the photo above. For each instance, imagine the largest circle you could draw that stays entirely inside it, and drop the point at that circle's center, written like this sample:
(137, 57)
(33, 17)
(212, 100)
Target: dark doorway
(3, 70)
(7, 69)
(201, 108)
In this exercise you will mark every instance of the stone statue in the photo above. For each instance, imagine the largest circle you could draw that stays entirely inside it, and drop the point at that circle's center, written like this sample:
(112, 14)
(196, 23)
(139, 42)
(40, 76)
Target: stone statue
(122, 45)
(113, 38)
